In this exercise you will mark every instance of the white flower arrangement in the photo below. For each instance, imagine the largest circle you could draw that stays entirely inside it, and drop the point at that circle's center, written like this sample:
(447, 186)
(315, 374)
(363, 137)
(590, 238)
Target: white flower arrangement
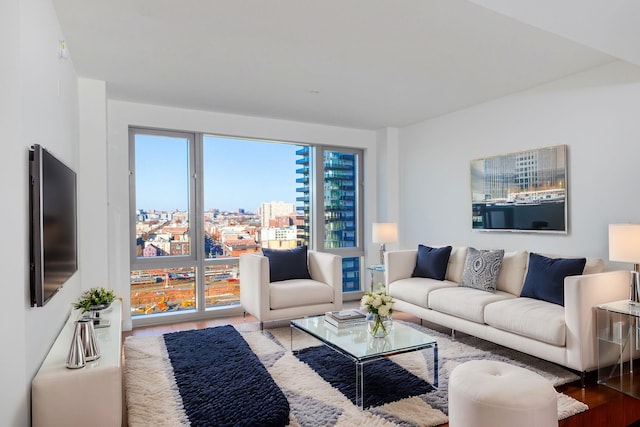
(379, 304)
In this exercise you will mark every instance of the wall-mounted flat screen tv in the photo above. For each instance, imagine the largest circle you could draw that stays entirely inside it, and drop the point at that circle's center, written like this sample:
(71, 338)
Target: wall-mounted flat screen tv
(524, 191)
(52, 202)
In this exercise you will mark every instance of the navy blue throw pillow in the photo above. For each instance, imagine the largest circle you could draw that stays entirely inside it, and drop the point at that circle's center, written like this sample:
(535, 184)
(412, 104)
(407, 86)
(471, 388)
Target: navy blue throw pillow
(285, 264)
(545, 277)
(432, 262)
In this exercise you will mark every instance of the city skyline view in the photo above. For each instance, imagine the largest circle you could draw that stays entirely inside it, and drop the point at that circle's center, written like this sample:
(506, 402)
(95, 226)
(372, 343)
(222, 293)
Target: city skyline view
(259, 193)
(238, 173)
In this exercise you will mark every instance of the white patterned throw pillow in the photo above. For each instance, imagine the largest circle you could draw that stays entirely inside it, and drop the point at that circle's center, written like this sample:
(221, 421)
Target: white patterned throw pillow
(481, 269)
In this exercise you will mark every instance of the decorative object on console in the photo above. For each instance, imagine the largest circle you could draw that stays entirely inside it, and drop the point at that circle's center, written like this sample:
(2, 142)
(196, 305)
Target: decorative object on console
(522, 191)
(481, 269)
(95, 299)
(384, 232)
(624, 246)
(75, 357)
(379, 307)
(432, 262)
(84, 344)
(89, 340)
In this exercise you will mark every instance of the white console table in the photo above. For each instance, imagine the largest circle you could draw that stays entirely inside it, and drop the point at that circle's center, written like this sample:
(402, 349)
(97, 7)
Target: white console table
(91, 395)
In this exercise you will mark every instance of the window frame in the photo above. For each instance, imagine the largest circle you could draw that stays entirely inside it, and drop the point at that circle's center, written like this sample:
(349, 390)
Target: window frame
(196, 259)
(318, 177)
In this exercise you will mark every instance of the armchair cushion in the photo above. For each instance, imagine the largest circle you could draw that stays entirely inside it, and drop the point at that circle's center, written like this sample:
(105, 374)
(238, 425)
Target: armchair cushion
(286, 264)
(299, 293)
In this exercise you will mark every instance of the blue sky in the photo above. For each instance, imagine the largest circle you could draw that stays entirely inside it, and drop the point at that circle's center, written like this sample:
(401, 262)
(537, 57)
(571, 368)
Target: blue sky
(238, 173)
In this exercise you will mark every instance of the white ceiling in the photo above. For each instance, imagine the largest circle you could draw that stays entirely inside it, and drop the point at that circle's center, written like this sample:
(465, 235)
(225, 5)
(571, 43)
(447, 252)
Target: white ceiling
(356, 63)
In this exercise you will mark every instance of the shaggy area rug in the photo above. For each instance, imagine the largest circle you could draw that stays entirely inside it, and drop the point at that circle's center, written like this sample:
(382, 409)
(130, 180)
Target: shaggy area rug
(153, 397)
(385, 381)
(249, 397)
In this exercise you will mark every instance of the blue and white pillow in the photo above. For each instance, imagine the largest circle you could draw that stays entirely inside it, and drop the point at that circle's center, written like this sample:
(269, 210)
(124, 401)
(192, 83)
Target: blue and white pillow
(481, 269)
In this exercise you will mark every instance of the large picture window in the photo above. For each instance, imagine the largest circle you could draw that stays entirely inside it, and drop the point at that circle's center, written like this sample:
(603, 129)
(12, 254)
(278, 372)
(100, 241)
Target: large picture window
(200, 201)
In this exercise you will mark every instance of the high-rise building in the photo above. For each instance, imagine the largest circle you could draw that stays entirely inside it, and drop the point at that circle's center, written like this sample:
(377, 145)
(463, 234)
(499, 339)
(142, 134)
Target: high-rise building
(340, 208)
(272, 210)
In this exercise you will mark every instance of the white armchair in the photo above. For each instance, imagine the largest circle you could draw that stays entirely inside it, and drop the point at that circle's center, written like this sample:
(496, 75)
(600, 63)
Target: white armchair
(289, 299)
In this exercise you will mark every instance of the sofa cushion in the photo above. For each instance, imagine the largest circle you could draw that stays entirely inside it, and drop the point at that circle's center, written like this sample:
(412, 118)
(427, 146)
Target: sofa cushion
(415, 290)
(298, 292)
(285, 264)
(432, 262)
(481, 269)
(456, 264)
(511, 277)
(545, 277)
(530, 318)
(465, 303)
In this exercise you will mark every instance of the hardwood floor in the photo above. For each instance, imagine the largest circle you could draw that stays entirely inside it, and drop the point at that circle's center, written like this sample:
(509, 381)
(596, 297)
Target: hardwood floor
(607, 407)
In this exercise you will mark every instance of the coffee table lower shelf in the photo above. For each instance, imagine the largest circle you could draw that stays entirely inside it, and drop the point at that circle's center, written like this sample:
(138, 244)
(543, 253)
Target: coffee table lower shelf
(357, 344)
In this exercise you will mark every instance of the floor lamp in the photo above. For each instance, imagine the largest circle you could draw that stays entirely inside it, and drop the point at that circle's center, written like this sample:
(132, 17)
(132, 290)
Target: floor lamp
(383, 233)
(624, 246)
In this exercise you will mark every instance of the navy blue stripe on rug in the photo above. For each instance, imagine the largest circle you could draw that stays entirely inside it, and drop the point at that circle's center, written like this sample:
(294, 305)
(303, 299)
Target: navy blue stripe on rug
(384, 380)
(222, 382)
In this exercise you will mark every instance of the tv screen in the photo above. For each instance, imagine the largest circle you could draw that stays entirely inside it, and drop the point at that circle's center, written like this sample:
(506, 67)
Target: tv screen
(52, 204)
(524, 191)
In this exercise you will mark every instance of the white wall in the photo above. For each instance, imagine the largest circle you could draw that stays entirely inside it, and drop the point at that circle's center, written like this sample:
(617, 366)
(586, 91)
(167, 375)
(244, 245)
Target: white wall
(124, 114)
(38, 105)
(92, 205)
(595, 113)
(14, 403)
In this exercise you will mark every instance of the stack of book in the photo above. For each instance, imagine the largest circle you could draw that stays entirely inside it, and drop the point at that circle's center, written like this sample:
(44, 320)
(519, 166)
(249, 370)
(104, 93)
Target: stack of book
(345, 318)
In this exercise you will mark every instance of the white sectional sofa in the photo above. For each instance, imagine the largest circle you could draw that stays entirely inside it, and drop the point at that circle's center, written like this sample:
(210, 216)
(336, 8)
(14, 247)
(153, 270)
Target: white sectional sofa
(565, 335)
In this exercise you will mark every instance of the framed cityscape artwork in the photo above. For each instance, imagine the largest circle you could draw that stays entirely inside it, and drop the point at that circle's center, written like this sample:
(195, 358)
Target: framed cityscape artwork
(525, 191)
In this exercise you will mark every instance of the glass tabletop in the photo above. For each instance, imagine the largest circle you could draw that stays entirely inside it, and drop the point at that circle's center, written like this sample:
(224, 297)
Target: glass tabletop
(622, 307)
(377, 267)
(359, 344)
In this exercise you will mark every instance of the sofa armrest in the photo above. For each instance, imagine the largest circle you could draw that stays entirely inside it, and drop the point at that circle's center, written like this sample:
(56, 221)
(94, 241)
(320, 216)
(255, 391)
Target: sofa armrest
(581, 295)
(399, 264)
(254, 284)
(327, 268)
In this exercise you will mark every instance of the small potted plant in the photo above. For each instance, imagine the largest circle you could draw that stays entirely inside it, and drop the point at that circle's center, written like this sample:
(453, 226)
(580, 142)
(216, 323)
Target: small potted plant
(95, 299)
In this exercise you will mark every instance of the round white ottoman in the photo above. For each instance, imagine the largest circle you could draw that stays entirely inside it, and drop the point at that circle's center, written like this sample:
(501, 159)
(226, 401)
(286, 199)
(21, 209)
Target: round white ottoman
(487, 393)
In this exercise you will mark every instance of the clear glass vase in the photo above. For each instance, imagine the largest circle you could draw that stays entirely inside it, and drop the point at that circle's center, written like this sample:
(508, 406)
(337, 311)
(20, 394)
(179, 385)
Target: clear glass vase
(378, 326)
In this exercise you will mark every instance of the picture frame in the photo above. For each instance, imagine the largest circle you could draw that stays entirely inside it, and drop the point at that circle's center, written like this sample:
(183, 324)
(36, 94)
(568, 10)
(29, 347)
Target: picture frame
(524, 191)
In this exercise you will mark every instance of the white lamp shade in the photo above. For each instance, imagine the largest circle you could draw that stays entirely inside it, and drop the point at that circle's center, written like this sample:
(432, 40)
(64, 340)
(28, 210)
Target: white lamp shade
(624, 243)
(384, 232)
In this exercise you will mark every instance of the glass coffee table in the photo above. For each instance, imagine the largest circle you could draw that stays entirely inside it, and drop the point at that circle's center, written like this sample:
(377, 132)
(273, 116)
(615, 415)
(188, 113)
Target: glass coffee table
(357, 344)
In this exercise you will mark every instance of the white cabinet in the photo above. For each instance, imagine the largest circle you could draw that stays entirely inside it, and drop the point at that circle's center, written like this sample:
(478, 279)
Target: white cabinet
(91, 395)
